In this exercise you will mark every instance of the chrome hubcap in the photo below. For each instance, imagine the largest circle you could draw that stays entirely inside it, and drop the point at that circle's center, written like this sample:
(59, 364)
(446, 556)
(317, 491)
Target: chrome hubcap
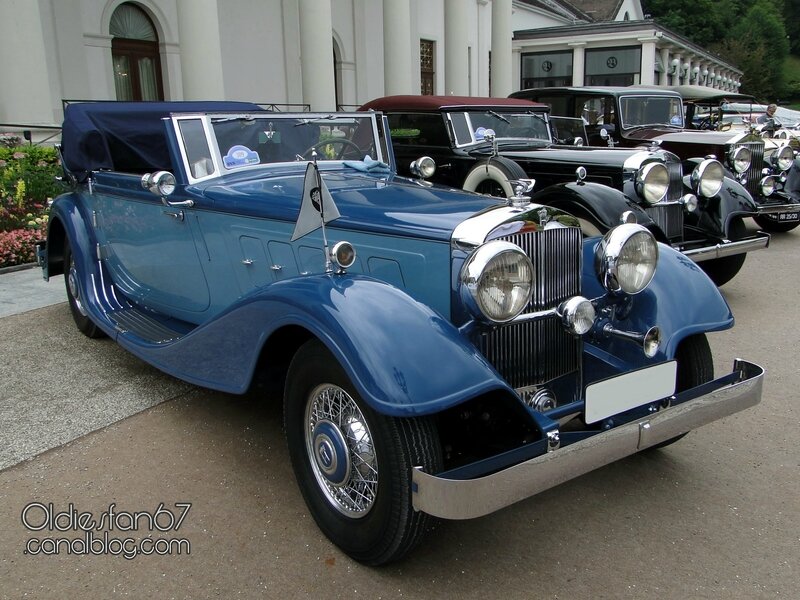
(74, 290)
(340, 449)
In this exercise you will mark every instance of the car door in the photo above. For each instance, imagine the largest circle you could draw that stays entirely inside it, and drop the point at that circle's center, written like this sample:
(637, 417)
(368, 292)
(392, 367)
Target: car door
(150, 249)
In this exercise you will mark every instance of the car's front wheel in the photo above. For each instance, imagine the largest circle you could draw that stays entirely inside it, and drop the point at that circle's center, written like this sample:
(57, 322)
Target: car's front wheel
(722, 270)
(492, 177)
(695, 367)
(353, 465)
(77, 307)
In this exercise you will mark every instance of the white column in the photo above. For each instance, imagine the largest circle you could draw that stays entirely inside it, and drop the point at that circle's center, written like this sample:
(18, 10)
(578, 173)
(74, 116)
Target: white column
(648, 64)
(316, 54)
(664, 75)
(201, 50)
(578, 62)
(687, 77)
(501, 48)
(677, 68)
(397, 65)
(25, 95)
(456, 67)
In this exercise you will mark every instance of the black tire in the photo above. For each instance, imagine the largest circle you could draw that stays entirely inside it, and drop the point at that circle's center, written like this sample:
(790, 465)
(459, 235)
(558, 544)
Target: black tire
(71, 277)
(722, 270)
(364, 507)
(772, 226)
(491, 177)
(695, 366)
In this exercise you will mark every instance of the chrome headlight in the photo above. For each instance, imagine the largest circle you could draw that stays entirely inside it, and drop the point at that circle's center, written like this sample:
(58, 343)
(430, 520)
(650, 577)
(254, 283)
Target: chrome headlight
(626, 258)
(707, 178)
(496, 281)
(767, 185)
(652, 182)
(740, 159)
(783, 158)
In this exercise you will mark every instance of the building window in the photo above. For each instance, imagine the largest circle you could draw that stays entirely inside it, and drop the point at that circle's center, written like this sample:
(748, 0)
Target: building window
(134, 50)
(613, 66)
(426, 67)
(546, 69)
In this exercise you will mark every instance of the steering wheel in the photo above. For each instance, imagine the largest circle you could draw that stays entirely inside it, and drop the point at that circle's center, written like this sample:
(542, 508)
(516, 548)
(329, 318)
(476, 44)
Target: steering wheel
(346, 146)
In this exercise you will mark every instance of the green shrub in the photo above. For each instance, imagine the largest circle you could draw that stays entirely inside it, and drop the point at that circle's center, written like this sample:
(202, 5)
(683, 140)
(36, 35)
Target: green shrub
(27, 182)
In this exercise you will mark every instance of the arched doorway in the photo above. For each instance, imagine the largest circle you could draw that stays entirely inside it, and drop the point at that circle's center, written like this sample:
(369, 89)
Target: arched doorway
(134, 49)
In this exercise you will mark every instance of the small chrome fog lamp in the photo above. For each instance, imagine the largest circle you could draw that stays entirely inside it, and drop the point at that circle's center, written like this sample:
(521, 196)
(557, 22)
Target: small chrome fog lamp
(651, 342)
(689, 202)
(577, 314)
(767, 185)
(423, 167)
(343, 255)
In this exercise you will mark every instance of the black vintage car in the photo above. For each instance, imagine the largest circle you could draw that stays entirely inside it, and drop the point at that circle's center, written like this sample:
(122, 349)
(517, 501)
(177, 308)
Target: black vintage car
(484, 144)
(636, 116)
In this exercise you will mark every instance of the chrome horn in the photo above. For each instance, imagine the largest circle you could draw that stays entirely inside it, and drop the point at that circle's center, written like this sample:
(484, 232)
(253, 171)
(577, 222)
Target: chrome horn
(650, 340)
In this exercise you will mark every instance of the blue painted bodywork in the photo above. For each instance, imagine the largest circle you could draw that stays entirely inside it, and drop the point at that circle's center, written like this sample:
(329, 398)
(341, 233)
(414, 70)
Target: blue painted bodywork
(219, 278)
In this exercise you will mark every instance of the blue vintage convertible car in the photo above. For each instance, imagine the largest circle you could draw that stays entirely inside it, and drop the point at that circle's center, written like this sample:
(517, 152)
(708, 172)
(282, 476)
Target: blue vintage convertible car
(439, 353)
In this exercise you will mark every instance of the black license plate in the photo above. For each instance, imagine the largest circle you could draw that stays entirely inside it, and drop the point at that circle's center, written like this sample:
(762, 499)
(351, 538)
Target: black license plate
(792, 216)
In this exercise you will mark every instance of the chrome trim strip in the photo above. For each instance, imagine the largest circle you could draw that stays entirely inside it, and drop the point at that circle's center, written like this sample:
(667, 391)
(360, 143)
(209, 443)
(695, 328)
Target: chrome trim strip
(774, 209)
(467, 499)
(757, 242)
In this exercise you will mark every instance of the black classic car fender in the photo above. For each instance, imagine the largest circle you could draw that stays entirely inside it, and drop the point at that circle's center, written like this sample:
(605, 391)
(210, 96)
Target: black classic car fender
(498, 170)
(599, 205)
(718, 213)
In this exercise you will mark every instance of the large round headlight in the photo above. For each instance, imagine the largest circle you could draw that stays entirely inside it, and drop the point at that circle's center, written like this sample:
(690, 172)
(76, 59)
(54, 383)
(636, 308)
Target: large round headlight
(496, 281)
(740, 158)
(626, 258)
(652, 182)
(707, 178)
(784, 157)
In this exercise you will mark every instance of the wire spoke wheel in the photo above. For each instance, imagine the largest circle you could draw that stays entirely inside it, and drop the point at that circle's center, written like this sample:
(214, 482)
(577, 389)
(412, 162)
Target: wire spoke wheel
(341, 452)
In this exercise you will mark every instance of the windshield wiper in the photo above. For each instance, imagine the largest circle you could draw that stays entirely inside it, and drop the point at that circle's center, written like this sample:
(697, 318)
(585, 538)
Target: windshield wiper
(497, 116)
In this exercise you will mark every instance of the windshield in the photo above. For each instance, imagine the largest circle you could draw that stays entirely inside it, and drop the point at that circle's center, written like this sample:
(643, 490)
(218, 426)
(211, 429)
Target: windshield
(213, 144)
(470, 127)
(638, 111)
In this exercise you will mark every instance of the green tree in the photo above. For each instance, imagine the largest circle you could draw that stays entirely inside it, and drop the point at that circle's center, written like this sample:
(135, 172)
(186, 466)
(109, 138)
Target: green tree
(758, 45)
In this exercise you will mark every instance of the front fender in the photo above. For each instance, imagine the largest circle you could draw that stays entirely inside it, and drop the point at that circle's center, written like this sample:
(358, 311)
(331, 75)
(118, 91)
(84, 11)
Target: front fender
(403, 358)
(600, 204)
(681, 300)
(714, 215)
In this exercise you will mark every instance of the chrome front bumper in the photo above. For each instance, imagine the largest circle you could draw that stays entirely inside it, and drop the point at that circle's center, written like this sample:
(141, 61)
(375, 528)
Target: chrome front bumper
(757, 242)
(776, 209)
(470, 498)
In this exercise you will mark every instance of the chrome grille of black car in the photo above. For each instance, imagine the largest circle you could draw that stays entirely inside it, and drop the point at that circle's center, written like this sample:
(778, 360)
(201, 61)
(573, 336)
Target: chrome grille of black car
(675, 189)
(535, 352)
(669, 217)
(753, 174)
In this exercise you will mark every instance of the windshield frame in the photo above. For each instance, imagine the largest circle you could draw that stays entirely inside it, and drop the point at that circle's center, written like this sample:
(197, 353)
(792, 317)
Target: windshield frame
(217, 157)
(675, 100)
(459, 141)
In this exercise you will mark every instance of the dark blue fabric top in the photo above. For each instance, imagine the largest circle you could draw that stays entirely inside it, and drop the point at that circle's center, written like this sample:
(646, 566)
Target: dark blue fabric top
(126, 136)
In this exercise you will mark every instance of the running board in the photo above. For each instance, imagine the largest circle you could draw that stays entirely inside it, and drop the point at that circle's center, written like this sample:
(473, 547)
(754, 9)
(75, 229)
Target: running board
(144, 325)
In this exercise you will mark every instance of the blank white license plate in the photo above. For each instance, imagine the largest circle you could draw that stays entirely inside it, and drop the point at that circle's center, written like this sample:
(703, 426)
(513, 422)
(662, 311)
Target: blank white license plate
(624, 392)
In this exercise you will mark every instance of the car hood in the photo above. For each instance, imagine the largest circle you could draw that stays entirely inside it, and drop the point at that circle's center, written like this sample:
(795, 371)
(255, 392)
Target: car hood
(577, 155)
(688, 137)
(387, 204)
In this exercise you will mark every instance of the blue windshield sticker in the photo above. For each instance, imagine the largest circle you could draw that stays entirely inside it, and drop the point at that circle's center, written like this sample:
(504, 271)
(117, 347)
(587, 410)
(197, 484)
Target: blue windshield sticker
(479, 133)
(240, 156)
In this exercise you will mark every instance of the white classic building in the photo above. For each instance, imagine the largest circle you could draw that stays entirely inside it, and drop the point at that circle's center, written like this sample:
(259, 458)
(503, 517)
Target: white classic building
(327, 53)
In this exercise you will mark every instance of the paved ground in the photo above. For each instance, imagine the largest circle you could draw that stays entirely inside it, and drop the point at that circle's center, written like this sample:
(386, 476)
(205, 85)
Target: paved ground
(714, 516)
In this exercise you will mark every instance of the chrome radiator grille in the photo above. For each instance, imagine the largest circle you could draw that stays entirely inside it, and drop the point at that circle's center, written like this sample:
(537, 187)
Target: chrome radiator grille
(753, 174)
(535, 352)
(675, 189)
(669, 217)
